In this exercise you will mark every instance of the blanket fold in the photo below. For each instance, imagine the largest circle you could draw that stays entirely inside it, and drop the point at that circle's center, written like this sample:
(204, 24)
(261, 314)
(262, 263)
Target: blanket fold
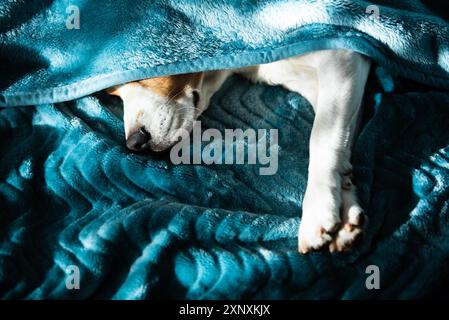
(55, 51)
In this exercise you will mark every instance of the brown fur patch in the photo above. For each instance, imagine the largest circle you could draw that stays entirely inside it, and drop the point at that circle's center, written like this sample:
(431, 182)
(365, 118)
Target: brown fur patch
(172, 86)
(113, 91)
(168, 86)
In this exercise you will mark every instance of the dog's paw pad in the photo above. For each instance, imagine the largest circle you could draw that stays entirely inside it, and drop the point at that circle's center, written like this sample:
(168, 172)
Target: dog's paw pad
(349, 235)
(313, 238)
(320, 241)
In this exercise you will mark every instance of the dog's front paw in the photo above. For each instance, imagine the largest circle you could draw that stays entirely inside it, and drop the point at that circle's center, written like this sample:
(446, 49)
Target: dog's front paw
(320, 219)
(332, 218)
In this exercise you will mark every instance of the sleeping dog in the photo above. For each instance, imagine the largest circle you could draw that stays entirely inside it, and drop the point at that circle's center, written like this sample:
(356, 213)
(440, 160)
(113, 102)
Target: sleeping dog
(333, 81)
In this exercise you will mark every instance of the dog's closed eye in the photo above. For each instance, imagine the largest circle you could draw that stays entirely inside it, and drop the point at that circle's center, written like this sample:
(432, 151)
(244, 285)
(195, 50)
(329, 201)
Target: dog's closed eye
(196, 98)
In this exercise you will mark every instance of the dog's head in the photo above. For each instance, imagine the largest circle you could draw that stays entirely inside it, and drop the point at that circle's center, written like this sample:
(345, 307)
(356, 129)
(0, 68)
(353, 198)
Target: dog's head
(157, 110)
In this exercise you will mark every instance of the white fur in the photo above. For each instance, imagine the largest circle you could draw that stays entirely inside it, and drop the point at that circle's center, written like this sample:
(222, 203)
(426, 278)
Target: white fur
(164, 118)
(333, 81)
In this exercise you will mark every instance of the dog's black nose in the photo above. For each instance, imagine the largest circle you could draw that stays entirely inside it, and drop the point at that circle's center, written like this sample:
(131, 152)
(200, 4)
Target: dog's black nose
(138, 140)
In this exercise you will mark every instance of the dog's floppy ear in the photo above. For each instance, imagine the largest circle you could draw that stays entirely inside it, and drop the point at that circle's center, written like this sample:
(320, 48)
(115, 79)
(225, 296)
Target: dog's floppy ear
(113, 90)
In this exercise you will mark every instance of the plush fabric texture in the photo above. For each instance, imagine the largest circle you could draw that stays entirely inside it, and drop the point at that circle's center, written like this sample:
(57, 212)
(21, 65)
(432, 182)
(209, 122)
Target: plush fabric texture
(139, 227)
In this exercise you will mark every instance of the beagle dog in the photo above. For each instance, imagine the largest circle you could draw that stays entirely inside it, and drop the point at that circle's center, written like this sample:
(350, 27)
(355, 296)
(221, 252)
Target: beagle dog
(333, 81)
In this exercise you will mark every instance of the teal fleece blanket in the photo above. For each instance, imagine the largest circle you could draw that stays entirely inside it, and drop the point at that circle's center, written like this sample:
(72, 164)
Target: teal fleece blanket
(74, 199)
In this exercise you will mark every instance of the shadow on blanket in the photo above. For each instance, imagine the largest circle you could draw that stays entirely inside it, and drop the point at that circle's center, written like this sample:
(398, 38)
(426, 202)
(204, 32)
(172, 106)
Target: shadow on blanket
(139, 227)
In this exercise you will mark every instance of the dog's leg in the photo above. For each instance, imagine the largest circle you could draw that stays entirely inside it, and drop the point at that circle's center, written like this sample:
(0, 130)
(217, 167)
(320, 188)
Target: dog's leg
(333, 81)
(331, 214)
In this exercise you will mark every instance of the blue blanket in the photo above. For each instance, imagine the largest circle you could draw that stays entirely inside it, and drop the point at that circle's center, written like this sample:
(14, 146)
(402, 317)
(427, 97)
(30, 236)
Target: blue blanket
(72, 198)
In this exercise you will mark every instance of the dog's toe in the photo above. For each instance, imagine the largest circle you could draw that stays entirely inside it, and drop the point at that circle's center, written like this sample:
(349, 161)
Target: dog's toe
(314, 243)
(351, 232)
(313, 235)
